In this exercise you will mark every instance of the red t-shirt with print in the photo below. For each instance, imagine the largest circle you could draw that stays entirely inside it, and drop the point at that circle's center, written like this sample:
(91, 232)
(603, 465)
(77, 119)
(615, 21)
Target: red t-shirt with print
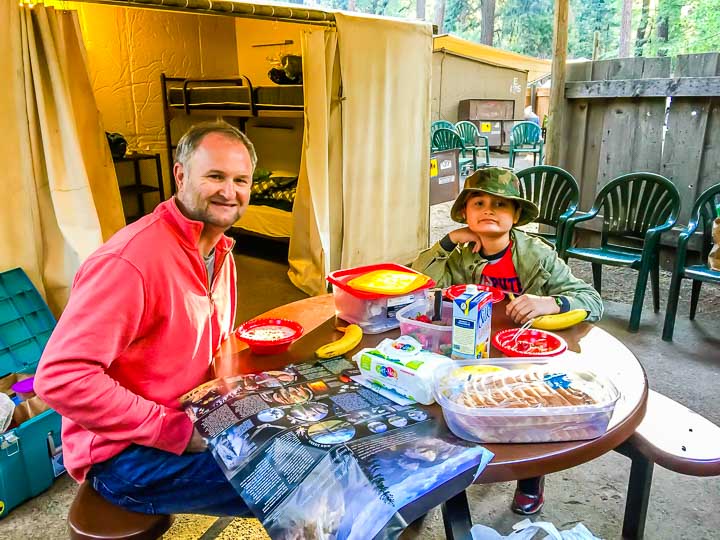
(500, 272)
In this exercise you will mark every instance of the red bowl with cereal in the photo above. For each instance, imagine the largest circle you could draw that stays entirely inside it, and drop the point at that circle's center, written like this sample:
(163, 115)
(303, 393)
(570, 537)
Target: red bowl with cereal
(269, 336)
(530, 342)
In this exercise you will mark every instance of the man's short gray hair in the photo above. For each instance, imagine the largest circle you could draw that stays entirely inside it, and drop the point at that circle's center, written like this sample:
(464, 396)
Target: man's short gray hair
(194, 136)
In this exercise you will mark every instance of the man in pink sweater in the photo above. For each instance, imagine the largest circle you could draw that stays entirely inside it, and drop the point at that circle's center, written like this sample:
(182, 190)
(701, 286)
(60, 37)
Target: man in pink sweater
(146, 314)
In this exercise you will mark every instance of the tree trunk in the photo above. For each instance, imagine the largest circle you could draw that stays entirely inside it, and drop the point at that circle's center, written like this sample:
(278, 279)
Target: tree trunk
(487, 11)
(642, 32)
(420, 10)
(440, 15)
(625, 28)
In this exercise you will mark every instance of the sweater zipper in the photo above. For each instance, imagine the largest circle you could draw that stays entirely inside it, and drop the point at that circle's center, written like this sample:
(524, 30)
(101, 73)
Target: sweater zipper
(217, 271)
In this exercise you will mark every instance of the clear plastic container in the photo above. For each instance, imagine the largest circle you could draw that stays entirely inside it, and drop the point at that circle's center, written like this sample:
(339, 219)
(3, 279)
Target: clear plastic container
(496, 408)
(374, 316)
(374, 313)
(433, 337)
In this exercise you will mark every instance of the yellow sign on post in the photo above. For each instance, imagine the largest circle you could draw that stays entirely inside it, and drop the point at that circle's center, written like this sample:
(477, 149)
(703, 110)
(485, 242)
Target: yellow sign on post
(486, 127)
(433, 167)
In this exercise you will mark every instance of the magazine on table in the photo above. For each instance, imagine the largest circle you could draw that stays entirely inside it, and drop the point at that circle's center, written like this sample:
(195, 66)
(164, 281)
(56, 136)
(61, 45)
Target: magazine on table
(314, 454)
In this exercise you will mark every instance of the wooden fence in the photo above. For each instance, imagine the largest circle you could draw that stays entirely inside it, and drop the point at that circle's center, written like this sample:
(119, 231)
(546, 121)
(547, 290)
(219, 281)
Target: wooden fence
(641, 114)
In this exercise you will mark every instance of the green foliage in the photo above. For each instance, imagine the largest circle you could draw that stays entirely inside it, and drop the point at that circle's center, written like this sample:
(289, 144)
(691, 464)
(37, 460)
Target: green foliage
(525, 26)
(587, 17)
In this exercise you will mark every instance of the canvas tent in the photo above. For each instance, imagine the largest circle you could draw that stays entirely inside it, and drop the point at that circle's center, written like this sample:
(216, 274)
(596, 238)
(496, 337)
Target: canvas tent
(363, 184)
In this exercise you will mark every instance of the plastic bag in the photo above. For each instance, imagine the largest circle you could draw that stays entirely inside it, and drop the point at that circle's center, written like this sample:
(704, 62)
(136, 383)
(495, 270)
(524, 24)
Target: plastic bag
(6, 412)
(526, 530)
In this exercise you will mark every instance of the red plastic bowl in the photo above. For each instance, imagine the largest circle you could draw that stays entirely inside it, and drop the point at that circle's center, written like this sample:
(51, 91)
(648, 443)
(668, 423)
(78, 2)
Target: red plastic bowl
(551, 343)
(288, 331)
(453, 291)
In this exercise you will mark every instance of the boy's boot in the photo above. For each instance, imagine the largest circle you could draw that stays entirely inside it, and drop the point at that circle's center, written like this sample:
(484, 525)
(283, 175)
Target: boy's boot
(529, 496)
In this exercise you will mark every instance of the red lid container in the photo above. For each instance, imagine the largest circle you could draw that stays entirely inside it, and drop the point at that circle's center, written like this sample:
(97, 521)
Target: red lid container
(339, 278)
(531, 342)
(269, 336)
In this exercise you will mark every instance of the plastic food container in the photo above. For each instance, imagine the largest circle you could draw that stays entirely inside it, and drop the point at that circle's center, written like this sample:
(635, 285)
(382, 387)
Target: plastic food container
(467, 397)
(373, 312)
(269, 336)
(432, 336)
(530, 343)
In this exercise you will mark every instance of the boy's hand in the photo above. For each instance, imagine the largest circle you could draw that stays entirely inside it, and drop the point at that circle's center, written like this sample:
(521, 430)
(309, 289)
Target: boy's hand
(464, 235)
(196, 443)
(529, 306)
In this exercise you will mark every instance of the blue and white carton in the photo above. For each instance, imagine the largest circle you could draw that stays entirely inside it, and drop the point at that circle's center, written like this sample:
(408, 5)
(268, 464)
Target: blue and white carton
(472, 317)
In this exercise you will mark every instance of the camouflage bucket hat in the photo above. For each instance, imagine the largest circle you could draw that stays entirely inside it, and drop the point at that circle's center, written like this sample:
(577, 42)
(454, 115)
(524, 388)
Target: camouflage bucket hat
(496, 181)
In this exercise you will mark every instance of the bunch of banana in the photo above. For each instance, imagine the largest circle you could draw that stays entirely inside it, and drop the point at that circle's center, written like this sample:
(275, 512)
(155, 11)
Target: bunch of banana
(560, 320)
(351, 339)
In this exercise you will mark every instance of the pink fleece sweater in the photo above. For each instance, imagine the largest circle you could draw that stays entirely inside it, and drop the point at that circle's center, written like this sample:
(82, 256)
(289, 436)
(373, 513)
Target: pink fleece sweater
(140, 329)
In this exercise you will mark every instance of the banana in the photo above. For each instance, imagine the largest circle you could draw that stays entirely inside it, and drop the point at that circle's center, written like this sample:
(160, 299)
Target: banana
(351, 339)
(560, 320)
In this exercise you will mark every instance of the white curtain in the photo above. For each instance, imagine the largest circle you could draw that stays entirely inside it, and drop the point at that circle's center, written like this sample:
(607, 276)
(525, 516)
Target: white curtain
(61, 195)
(316, 240)
(363, 192)
(386, 67)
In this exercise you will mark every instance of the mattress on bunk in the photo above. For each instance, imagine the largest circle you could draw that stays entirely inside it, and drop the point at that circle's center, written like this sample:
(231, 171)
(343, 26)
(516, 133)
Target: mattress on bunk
(273, 96)
(233, 96)
(207, 97)
(267, 221)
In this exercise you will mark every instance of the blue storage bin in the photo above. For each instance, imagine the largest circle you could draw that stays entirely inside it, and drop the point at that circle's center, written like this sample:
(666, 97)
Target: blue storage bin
(25, 323)
(30, 459)
(30, 454)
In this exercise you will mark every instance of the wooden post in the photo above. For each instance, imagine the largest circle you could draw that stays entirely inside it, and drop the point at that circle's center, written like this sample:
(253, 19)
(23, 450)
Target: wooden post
(596, 45)
(557, 90)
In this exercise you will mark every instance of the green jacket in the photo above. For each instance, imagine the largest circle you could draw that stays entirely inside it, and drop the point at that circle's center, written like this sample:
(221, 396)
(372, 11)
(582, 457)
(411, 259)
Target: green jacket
(540, 270)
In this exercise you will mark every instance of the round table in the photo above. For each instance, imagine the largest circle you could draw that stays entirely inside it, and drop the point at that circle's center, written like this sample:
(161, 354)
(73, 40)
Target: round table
(512, 461)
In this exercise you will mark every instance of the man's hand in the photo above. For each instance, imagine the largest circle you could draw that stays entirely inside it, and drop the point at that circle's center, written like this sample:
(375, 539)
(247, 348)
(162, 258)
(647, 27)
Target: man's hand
(464, 235)
(196, 443)
(529, 306)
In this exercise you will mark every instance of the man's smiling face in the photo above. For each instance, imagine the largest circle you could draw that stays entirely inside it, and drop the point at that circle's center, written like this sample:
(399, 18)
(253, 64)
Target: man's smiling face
(214, 186)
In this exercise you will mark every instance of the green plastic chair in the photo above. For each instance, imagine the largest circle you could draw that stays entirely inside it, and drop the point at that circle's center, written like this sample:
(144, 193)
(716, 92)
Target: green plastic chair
(555, 192)
(471, 137)
(636, 207)
(704, 211)
(525, 137)
(448, 139)
(439, 124)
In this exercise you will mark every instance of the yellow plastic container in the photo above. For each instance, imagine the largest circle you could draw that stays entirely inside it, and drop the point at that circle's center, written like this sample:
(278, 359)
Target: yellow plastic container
(389, 282)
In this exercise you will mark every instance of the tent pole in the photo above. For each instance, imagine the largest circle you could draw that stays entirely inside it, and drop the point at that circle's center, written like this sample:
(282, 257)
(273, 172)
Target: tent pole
(231, 8)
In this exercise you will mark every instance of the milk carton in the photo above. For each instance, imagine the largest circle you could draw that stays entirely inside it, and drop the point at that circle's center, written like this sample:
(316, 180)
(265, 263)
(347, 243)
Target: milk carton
(472, 314)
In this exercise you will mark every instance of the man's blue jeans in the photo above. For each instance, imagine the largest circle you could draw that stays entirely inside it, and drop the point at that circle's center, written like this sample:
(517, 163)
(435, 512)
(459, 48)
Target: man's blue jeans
(152, 481)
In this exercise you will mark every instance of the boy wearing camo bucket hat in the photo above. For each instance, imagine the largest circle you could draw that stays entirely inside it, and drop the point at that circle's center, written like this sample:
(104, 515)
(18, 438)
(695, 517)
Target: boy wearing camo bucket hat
(489, 250)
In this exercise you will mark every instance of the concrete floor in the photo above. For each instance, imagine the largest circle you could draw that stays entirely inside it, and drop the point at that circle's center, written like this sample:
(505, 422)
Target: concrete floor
(686, 370)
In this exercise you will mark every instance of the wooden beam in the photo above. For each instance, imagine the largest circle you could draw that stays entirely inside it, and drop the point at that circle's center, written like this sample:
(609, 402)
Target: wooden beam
(678, 87)
(555, 120)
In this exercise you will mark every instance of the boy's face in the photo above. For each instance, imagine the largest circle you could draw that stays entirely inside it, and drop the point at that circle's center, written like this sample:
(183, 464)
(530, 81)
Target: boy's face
(489, 215)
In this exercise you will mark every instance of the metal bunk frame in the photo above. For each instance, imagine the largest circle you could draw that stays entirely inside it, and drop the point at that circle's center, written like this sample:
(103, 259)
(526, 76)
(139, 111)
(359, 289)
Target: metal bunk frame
(253, 109)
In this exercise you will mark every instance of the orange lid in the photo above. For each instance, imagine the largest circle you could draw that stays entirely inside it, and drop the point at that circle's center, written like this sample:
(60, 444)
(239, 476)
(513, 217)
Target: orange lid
(389, 282)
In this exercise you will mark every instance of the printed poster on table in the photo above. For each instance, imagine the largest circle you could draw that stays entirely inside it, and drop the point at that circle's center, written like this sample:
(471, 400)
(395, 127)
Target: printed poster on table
(316, 455)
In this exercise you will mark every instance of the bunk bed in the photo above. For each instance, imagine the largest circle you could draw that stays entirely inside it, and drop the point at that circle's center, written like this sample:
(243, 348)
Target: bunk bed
(239, 99)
